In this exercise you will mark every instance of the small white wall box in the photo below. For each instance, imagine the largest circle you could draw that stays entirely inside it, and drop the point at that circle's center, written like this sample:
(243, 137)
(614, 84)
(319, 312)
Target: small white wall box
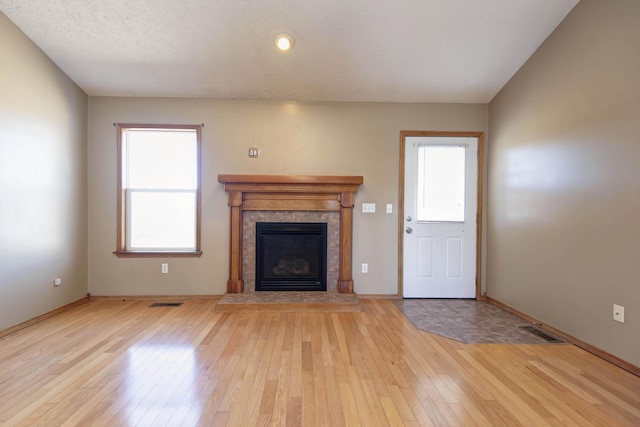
(368, 208)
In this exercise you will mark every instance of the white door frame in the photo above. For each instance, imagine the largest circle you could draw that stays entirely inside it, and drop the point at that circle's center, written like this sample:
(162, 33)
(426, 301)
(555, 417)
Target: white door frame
(480, 137)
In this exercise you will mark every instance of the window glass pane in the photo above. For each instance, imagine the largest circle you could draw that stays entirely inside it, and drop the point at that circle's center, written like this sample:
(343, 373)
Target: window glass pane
(159, 159)
(441, 183)
(162, 220)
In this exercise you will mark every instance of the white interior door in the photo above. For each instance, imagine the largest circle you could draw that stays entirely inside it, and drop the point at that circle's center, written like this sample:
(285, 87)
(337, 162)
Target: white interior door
(440, 192)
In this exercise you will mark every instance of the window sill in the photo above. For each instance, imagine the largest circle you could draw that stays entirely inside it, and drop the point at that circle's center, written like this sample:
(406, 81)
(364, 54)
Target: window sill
(144, 254)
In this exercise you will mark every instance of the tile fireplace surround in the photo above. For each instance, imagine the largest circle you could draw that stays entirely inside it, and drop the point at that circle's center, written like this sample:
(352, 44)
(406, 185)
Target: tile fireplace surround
(249, 220)
(290, 198)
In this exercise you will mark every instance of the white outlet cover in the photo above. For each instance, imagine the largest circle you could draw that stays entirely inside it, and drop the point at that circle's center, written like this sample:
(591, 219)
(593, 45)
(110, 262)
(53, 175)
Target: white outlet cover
(389, 208)
(618, 313)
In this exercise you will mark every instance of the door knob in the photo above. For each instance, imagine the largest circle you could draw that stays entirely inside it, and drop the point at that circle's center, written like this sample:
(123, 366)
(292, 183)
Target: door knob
(408, 230)
(408, 219)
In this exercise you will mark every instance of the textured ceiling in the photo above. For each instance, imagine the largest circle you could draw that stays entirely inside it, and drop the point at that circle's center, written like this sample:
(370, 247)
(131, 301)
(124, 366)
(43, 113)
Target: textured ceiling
(345, 50)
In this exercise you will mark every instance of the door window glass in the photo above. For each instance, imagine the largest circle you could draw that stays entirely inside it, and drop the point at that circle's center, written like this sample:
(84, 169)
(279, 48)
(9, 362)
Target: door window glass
(441, 183)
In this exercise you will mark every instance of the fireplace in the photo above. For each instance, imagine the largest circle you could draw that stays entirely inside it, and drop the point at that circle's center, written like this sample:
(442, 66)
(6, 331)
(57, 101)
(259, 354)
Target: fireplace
(258, 195)
(291, 256)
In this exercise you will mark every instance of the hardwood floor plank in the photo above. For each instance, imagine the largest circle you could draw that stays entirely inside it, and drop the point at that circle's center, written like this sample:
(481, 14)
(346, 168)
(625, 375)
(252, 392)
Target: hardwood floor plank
(221, 419)
(417, 409)
(281, 399)
(505, 389)
(348, 405)
(106, 363)
(334, 405)
(294, 412)
(391, 411)
(560, 410)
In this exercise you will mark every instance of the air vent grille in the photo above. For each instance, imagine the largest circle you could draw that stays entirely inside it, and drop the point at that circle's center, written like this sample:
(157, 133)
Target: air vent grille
(537, 332)
(166, 304)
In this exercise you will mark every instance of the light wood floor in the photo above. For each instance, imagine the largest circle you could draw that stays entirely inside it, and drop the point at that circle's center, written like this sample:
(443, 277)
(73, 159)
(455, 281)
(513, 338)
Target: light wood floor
(123, 363)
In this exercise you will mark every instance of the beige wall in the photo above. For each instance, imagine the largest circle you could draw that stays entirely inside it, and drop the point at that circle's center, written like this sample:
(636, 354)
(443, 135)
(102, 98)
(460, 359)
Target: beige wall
(564, 180)
(295, 138)
(43, 214)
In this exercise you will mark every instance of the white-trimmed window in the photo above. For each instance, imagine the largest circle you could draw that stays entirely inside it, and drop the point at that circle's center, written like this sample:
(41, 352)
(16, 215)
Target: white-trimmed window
(158, 190)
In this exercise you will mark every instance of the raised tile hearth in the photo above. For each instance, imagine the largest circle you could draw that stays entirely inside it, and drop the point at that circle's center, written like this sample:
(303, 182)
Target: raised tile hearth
(289, 302)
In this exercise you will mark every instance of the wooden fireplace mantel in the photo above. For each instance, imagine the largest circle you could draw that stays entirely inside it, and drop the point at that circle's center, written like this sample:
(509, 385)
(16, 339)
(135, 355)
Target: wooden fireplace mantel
(290, 193)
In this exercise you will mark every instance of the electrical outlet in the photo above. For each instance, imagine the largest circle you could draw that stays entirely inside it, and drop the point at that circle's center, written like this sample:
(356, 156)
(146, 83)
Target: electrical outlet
(57, 282)
(164, 268)
(618, 313)
(368, 208)
(389, 208)
(365, 268)
(254, 152)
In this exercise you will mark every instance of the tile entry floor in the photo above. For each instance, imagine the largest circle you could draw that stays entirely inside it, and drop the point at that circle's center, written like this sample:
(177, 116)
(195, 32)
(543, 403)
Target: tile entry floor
(468, 321)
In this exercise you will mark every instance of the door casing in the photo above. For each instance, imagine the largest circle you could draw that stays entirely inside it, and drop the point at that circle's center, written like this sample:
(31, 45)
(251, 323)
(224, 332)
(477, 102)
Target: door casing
(480, 137)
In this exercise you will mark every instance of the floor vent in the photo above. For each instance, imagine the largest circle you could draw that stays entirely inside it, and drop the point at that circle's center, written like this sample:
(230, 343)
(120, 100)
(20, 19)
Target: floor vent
(541, 334)
(166, 304)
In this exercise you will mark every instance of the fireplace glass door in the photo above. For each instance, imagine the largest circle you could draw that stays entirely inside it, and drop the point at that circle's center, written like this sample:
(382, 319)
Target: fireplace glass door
(291, 256)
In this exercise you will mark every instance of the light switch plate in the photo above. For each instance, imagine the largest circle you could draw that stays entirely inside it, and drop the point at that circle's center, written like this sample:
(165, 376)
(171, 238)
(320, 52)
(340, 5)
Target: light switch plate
(389, 208)
(368, 208)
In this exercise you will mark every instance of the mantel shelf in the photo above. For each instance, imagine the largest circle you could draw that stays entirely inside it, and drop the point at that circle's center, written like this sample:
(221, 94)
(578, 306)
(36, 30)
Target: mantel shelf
(290, 183)
(290, 179)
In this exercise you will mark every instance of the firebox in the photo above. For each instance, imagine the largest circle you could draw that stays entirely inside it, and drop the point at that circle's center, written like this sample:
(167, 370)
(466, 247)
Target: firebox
(291, 256)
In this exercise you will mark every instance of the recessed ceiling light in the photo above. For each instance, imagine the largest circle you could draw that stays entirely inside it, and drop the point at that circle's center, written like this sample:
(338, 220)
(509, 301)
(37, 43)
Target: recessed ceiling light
(283, 42)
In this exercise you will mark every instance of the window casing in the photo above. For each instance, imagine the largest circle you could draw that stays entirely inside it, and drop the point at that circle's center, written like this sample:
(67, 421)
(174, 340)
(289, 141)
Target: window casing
(158, 190)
